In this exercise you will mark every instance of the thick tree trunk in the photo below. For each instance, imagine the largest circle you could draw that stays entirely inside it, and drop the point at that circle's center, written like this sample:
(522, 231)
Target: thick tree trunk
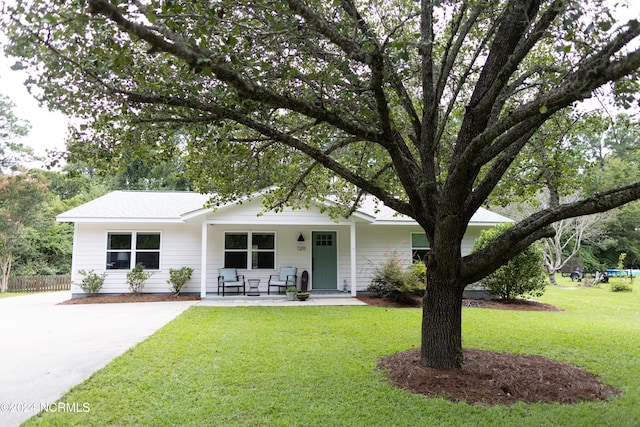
(442, 321)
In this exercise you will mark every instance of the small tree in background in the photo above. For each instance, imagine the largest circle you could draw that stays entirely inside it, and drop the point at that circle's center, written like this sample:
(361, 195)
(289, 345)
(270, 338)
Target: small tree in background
(521, 276)
(622, 284)
(21, 196)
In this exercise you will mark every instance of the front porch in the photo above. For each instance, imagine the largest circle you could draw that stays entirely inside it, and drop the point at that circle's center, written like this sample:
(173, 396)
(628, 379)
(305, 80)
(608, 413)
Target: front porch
(316, 299)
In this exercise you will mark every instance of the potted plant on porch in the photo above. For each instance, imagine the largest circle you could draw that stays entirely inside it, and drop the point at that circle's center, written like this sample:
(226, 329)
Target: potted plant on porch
(291, 293)
(303, 296)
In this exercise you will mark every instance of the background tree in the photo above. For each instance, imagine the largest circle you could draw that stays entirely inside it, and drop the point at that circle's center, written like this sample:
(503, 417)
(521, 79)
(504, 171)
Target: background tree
(12, 152)
(569, 233)
(21, 196)
(424, 105)
(45, 246)
(141, 168)
(560, 159)
(620, 164)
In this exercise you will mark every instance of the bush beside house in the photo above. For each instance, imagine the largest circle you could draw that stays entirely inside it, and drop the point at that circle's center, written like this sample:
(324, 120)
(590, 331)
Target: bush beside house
(521, 276)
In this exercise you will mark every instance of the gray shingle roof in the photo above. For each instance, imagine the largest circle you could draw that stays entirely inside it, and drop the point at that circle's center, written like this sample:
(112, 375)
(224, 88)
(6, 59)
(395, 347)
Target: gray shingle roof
(120, 206)
(172, 206)
(385, 215)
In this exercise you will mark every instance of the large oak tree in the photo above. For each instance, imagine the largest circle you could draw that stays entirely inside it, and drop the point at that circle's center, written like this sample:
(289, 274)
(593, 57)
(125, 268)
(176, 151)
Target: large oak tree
(423, 104)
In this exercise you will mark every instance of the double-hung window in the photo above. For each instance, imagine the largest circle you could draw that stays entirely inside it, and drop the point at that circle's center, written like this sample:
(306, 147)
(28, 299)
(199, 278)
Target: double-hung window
(256, 249)
(419, 246)
(126, 249)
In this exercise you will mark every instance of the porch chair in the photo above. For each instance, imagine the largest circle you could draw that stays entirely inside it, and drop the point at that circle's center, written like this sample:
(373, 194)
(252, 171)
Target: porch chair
(229, 278)
(288, 277)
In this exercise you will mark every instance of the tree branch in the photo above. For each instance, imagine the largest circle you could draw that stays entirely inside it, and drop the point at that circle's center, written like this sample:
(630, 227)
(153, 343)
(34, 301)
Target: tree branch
(536, 226)
(197, 58)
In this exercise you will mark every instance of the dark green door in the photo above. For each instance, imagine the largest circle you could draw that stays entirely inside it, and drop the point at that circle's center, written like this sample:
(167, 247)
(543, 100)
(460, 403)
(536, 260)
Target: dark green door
(324, 271)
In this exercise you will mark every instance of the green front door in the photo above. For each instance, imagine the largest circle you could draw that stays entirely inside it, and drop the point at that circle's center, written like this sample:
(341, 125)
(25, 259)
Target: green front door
(324, 251)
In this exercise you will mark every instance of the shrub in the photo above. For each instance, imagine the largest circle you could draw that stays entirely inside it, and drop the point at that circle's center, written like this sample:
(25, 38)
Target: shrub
(416, 277)
(390, 281)
(92, 282)
(386, 276)
(620, 286)
(178, 278)
(521, 276)
(136, 278)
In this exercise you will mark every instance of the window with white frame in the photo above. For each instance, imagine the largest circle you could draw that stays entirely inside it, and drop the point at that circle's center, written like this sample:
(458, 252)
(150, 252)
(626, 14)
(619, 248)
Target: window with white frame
(256, 249)
(126, 249)
(419, 246)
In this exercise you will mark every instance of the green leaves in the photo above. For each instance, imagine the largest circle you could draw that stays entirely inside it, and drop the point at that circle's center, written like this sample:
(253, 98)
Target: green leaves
(12, 152)
(17, 66)
(522, 276)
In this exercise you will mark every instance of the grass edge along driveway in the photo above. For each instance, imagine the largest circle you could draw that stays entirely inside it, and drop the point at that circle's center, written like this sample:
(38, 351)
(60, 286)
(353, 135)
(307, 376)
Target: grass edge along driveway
(316, 366)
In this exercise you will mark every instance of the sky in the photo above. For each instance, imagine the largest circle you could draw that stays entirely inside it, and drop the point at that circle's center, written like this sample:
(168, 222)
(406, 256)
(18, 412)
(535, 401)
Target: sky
(48, 129)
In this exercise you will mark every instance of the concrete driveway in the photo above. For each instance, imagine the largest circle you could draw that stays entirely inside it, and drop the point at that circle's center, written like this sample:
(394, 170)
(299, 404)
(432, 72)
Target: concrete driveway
(48, 348)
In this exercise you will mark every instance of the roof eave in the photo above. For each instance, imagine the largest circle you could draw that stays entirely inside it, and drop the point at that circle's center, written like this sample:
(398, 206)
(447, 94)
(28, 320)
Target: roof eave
(119, 220)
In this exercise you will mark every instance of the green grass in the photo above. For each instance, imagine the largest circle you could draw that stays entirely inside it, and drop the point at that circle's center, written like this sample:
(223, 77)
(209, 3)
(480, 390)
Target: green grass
(316, 366)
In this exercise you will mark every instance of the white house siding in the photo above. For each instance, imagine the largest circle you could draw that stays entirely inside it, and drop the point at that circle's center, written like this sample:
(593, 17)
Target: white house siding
(181, 243)
(179, 247)
(251, 213)
(287, 225)
(377, 242)
(470, 237)
(289, 252)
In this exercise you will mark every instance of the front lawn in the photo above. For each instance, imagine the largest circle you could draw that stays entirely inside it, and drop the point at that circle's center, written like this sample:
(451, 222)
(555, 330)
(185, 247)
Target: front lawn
(316, 366)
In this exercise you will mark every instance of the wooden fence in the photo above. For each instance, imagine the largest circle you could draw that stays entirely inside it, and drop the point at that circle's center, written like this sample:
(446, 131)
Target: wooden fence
(39, 283)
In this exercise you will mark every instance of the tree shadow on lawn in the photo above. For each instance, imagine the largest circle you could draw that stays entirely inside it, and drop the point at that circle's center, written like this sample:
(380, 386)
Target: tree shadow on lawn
(490, 378)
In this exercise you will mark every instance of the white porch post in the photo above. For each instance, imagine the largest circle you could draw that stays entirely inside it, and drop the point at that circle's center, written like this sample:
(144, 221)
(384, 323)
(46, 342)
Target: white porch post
(352, 242)
(203, 261)
(74, 257)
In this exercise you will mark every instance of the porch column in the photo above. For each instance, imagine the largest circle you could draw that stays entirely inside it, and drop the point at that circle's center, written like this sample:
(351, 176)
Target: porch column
(203, 262)
(352, 242)
(74, 257)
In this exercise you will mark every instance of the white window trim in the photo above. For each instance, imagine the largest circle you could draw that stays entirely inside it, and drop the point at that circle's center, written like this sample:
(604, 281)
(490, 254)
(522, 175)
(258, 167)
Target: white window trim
(133, 249)
(250, 250)
(414, 248)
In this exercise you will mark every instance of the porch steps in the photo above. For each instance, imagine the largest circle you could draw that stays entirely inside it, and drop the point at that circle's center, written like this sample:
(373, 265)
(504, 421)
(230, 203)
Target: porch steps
(316, 298)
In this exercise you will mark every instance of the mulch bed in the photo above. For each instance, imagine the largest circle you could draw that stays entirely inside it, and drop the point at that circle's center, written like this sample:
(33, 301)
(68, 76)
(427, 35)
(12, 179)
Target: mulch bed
(489, 378)
(123, 298)
(514, 304)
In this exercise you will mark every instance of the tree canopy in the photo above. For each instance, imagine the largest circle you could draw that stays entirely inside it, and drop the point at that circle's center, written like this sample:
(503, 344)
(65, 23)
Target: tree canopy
(425, 105)
(12, 152)
(21, 196)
